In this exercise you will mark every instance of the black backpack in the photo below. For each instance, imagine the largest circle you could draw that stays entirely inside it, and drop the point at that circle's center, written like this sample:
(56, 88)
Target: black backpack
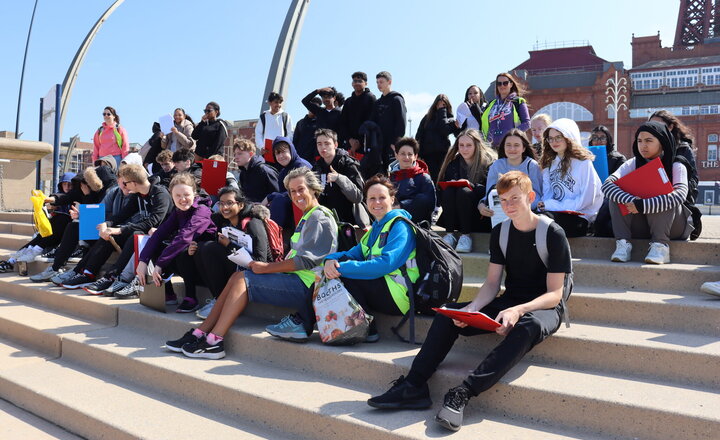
(440, 281)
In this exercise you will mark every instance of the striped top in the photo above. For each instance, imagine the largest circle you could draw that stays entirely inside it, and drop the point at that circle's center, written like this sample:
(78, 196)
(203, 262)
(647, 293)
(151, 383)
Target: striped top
(652, 205)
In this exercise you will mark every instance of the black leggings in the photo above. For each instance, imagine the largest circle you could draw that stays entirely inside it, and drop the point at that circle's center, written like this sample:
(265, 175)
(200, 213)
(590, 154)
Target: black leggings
(68, 244)
(184, 265)
(213, 266)
(460, 212)
(59, 223)
(530, 330)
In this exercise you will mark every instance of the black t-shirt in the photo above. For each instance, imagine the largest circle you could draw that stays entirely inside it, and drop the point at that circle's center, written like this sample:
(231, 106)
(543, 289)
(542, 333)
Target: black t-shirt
(525, 273)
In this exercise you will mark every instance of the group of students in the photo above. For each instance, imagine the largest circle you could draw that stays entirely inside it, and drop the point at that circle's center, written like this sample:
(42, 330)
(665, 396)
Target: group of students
(309, 196)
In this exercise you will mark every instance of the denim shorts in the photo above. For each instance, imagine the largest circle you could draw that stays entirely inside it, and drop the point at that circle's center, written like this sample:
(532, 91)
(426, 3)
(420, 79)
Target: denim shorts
(281, 289)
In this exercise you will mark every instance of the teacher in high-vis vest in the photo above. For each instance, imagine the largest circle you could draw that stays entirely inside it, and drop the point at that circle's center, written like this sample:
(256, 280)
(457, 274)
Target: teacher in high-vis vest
(507, 111)
(288, 283)
(110, 139)
(377, 270)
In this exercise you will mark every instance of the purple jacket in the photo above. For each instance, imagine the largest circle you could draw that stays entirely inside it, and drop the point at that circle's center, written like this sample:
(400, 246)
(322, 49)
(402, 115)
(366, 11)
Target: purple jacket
(505, 122)
(181, 227)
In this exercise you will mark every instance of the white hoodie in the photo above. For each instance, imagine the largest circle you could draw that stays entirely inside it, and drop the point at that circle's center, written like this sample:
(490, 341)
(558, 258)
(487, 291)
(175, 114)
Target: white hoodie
(579, 189)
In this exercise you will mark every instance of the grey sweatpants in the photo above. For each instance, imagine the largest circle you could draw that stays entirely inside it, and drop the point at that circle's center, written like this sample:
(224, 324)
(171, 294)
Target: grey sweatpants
(673, 224)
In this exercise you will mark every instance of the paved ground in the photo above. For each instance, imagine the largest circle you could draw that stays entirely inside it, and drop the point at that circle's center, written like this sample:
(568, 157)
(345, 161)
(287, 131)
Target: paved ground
(711, 227)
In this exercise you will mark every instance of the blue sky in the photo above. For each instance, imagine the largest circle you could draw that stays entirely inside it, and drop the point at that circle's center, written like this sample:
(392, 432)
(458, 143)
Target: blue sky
(153, 56)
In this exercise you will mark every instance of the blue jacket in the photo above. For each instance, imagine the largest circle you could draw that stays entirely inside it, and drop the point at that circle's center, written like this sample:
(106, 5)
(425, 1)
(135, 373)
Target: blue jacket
(415, 190)
(400, 243)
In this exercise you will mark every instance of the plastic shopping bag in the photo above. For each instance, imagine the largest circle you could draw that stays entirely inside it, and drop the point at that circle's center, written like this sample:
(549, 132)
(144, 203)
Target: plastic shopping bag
(40, 214)
(340, 319)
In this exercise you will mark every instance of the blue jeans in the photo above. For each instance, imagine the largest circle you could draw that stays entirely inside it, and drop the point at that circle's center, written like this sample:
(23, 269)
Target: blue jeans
(118, 159)
(284, 290)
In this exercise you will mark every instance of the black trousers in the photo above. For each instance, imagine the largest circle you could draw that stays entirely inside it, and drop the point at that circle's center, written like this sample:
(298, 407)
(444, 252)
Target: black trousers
(101, 250)
(69, 242)
(530, 330)
(184, 265)
(372, 295)
(212, 266)
(58, 223)
(574, 225)
(460, 212)
(603, 222)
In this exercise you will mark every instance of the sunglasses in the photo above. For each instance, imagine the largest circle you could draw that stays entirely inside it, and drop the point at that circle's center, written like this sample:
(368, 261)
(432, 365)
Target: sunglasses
(358, 81)
(208, 110)
(503, 83)
(107, 114)
(598, 138)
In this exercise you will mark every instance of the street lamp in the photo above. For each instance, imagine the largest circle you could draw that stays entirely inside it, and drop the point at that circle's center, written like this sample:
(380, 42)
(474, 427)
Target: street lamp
(616, 98)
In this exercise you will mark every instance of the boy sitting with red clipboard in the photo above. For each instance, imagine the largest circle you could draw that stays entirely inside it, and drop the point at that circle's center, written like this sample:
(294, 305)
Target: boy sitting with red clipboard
(647, 197)
(528, 311)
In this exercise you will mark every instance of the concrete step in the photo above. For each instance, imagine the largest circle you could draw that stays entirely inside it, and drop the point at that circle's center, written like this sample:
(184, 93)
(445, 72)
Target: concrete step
(38, 328)
(668, 278)
(16, 424)
(555, 396)
(17, 228)
(20, 217)
(703, 251)
(96, 405)
(651, 310)
(69, 302)
(13, 241)
(281, 395)
(598, 346)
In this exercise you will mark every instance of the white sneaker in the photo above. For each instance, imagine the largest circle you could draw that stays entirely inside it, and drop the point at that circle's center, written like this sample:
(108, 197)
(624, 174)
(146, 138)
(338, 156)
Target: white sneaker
(450, 239)
(623, 248)
(711, 288)
(464, 244)
(659, 253)
(29, 256)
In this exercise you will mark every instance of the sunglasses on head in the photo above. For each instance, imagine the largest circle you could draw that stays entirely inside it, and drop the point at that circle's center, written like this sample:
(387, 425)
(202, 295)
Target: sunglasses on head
(503, 83)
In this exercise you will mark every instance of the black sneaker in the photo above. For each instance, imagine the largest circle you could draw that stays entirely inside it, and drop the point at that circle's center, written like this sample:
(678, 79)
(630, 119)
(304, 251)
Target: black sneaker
(79, 281)
(98, 286)
(177, 344)
(188, 305)
(47, 257)
(450, 415)
(403, 395)
(201, 349)
(77, 254)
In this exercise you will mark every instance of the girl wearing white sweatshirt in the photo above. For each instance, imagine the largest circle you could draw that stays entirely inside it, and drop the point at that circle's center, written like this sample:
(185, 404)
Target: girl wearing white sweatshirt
(571, 187)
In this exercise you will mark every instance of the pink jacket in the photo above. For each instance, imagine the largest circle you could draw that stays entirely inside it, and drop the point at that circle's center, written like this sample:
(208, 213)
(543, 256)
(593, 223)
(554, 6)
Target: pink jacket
(106, 143)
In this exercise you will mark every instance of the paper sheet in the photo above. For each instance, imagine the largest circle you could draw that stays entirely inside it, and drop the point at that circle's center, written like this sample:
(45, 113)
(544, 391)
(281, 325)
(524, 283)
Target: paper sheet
(494, 201)
(166, 123)
(241, 257)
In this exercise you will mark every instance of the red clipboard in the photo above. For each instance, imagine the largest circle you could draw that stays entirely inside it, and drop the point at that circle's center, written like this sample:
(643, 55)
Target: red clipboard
(475, 319)
(139, 243)
(214, 173)
(455, 184)
(650, 180)
(268, 154)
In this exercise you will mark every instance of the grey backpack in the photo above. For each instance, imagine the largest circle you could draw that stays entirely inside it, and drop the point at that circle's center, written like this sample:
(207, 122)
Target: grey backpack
(542, 250)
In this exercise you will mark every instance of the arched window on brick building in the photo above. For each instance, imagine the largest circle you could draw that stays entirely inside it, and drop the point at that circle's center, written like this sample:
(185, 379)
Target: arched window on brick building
(566, 109)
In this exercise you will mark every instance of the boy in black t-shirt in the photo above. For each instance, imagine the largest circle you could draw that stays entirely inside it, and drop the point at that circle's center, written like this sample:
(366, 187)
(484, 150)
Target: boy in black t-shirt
(529, 310)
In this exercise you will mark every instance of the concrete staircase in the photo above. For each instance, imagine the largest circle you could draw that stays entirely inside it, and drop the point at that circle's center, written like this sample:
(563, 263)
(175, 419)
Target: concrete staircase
(639, 361)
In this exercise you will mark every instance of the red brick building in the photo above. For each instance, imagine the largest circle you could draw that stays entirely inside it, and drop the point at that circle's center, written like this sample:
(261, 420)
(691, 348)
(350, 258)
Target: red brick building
(571, 82)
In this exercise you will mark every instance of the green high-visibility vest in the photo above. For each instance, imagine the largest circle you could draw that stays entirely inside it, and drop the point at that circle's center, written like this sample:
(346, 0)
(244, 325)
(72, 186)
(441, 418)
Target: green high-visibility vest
(306, 275)
(395, 280)
(485, 119)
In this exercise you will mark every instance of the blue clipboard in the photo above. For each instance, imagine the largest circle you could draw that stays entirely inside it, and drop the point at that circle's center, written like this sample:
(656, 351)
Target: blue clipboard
(600, 163)
(90, 217)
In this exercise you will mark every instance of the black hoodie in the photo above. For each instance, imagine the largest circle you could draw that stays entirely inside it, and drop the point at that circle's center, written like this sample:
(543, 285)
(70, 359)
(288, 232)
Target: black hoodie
(389, 113)
(346, 191)
(356, 110)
